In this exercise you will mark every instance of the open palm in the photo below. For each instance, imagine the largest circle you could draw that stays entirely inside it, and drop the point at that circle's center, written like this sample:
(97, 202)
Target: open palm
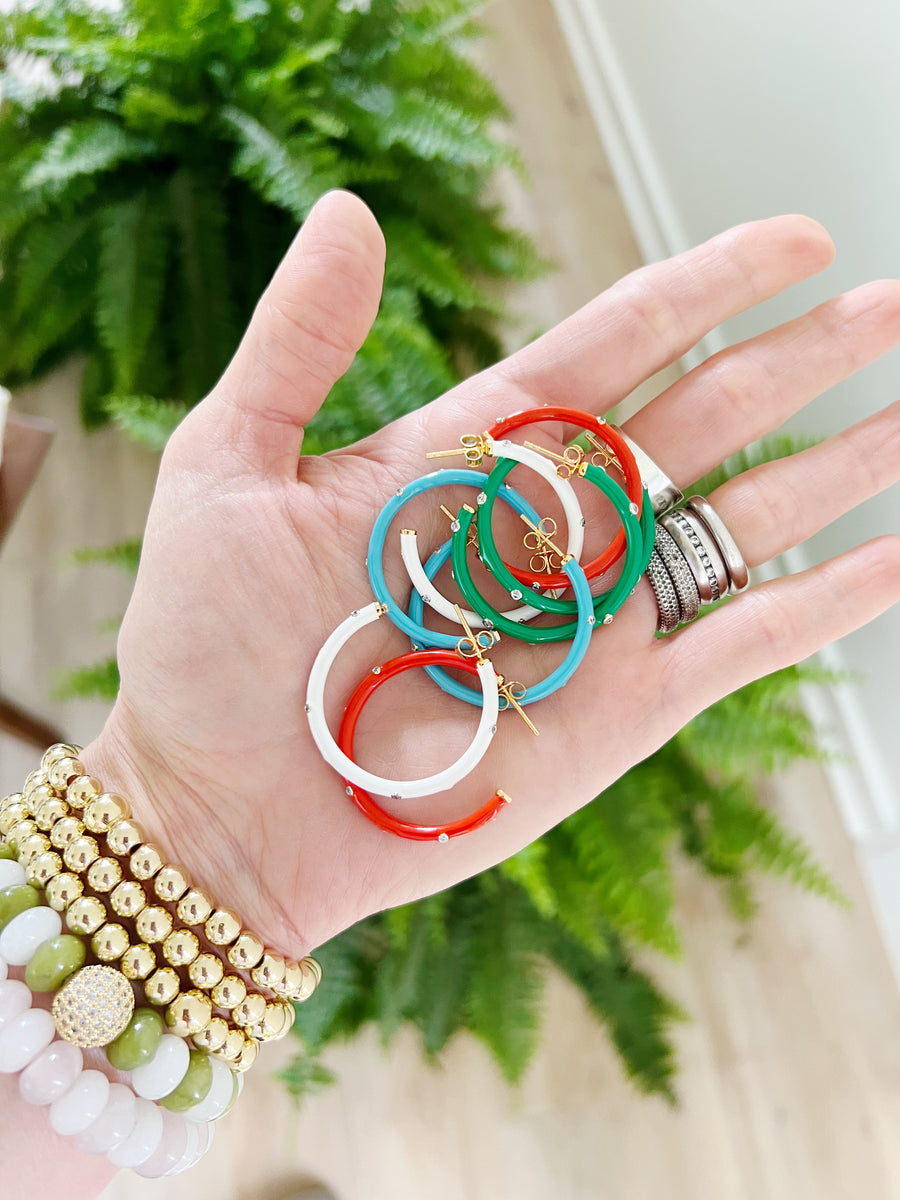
(253, 554)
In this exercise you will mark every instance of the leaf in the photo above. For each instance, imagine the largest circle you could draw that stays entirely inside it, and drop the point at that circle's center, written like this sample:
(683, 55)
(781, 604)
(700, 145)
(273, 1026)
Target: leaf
(84, 148)
(506, 986)
(125, 555)
(101, 681)
(42, 251)
(130, 275)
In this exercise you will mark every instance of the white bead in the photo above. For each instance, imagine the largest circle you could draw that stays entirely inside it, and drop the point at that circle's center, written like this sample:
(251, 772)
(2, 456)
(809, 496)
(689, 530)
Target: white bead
(217, 1099)
(15, 998)
(3, 968)
(191, 1151)
(114, 1124)
(23, 1039)
(27, 931)
(143, 1139)
(81, 1105)
(165, 1070)
(51, 1074)
(170, 1150)
(11, 873)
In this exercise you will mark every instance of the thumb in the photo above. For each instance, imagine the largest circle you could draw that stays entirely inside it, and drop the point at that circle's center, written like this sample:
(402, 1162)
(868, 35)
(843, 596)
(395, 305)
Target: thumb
(306, 329)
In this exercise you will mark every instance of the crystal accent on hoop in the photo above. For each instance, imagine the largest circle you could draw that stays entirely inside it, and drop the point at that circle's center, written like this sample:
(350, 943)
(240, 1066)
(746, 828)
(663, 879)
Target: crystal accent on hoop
(94, 1007)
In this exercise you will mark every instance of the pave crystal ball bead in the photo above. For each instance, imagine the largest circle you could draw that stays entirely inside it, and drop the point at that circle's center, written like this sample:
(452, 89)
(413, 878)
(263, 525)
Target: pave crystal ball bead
(94, 1007)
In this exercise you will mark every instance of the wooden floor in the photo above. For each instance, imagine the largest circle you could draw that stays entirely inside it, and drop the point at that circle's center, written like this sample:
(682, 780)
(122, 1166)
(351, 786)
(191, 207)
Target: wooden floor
(790, 1066)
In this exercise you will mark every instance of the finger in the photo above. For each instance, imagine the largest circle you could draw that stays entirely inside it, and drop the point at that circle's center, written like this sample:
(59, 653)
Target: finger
(780, 504)
(780, 623)
(635, 328)
(749, 390)
(308, 325)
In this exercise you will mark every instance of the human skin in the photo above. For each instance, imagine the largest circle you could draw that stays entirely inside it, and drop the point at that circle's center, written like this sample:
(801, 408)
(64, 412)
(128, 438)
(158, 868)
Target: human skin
(253, 554)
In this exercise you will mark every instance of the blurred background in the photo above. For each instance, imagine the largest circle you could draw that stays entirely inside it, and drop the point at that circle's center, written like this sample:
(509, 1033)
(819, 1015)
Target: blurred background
(669, 998)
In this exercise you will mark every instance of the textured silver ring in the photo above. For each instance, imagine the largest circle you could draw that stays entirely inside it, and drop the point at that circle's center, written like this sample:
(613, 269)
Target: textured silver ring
(738, 574)
(676, 564)
(663, 493)
(666, 596)
(698, 547)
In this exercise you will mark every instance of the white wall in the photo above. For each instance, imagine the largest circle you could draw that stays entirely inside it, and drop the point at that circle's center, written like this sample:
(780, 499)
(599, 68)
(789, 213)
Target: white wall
(717, 112)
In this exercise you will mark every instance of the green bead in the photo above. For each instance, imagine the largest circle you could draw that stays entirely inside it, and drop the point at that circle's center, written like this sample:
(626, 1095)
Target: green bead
(137, 1043)
(54, 961)
(195, 1085)
(6, 851)
(16, 899)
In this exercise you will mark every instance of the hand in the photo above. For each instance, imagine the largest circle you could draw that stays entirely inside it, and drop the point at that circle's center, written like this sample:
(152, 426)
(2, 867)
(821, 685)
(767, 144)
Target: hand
(253, 554)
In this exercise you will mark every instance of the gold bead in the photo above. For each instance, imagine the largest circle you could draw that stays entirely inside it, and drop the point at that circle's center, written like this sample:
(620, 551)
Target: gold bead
(146, 861)
(103, 874)
(11, 816)
(250, 1011)
(194, 907)
(293, 978)
(163, 986)
(153, 923)
(63, 771)
(32, 780)
(52, 810)
(232, 1046)
(20, 830)
(43, 868)
(12, 798)
(86, 914)
(82, 790)
(81, 852)
(230, 992)
(110, 942)
(128, 898)
(104, 810)
(189, 1013)
(62, 890)
(124, 836)
(223, 927)
(31, 846)
(206, 971)
(138, 961)
(275, 1022)
(180, 947)
(246, 951)
(270, 972)
(56, 751)
(38, 797)
(93, 1007)
(312, 974)
(248, 1055)
(213, 1036)
(171, 883)
(65, 831)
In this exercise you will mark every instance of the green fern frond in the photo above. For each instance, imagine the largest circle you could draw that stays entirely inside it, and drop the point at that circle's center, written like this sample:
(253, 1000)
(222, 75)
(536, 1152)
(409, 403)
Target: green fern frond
(100, 681)
(125, 555)
(84, 148)
(147, 420)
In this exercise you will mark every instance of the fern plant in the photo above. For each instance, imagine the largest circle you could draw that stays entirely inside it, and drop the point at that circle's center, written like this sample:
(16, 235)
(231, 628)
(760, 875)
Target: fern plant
(155, 161)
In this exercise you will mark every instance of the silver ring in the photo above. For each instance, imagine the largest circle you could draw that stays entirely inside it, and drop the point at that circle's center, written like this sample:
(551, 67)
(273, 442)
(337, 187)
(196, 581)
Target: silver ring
(698, 546)
(676, 564)
(738, 574)
(663, 493)
(666, 596)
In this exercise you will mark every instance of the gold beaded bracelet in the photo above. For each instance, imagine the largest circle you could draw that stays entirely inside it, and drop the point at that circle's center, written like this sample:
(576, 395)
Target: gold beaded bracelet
(47, 837)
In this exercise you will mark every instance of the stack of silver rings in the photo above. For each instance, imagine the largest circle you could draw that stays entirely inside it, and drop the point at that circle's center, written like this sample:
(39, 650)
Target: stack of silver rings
(695, 560)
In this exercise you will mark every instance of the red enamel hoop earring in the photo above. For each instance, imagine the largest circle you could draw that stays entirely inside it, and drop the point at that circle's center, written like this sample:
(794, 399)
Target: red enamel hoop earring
(362, 799)
(619, 447)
